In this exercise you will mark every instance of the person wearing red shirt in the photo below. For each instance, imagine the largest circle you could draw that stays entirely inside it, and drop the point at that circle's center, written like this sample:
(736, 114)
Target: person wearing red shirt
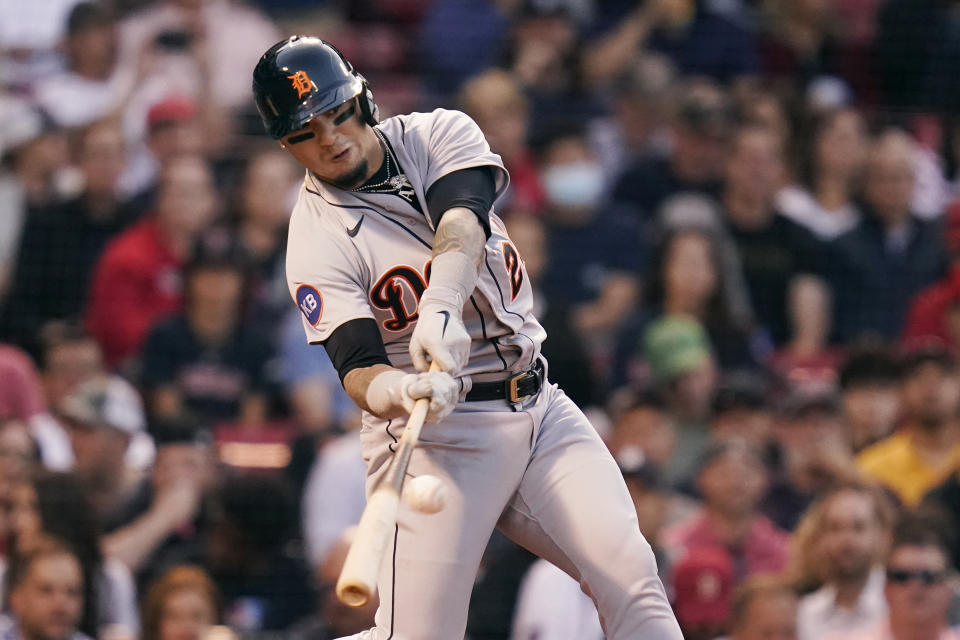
(137, 280)
(934, 311)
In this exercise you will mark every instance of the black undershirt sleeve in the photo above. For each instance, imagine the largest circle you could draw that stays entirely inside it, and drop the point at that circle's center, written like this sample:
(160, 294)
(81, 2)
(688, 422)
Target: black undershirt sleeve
(354, 345)
(473, 188)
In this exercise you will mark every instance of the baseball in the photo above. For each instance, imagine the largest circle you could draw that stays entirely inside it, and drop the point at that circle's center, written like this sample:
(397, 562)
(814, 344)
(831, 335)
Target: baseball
(426, 494)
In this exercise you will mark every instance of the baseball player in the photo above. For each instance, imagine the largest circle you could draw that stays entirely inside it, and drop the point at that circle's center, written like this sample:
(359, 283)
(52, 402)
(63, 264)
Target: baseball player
(396, 259)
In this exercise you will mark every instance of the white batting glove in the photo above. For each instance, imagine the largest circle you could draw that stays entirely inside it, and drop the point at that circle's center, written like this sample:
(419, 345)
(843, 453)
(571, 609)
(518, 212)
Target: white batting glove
(394, 388)
(439, 386)
(440, 334)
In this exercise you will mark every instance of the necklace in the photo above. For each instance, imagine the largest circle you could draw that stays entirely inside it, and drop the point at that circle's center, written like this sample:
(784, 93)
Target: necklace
(393, 180)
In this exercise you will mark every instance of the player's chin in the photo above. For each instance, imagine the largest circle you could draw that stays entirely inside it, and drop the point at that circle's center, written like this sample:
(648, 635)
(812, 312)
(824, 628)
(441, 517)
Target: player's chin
(352, 178)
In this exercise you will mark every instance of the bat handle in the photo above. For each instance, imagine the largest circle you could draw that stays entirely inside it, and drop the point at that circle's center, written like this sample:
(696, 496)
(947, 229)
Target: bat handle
(358, 578)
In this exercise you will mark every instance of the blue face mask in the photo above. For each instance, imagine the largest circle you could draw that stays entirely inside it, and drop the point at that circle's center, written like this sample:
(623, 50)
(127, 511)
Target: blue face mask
(574, 185)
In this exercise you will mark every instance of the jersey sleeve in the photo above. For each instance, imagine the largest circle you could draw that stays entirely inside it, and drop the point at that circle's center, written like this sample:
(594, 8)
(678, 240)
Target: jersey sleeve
(325, 278)
(455, 142)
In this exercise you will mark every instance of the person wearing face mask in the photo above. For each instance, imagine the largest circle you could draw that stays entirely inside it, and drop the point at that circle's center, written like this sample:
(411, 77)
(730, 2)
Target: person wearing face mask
(596, 255)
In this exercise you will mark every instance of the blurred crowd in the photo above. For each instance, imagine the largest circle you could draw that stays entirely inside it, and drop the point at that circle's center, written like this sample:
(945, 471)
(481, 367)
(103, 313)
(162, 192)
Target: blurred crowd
(742, 222)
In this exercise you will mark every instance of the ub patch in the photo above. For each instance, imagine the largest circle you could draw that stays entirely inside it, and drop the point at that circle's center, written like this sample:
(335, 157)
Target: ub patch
(310, 303)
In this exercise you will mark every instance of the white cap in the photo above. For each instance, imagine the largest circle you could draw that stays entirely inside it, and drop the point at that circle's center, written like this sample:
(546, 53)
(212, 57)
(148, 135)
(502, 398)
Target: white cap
(106, 401)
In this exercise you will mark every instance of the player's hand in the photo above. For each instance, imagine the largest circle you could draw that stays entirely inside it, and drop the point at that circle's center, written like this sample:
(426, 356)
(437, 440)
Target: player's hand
(439, 334)
(439, 386)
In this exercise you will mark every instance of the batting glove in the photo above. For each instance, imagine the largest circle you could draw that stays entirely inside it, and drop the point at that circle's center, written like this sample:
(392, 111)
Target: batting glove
(439, 386)
(392, 389)
(439, 334)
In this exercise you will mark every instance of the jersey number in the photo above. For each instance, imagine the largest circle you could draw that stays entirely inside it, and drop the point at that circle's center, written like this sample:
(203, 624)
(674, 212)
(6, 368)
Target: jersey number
(511, 260)
(389, 292)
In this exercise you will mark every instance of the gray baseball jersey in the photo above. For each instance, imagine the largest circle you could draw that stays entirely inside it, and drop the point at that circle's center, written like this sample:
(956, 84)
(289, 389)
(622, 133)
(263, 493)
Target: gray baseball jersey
(535, 470)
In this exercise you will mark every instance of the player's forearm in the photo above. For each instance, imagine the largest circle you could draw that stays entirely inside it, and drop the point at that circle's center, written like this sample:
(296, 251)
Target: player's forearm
(460, 230)
(357, 385)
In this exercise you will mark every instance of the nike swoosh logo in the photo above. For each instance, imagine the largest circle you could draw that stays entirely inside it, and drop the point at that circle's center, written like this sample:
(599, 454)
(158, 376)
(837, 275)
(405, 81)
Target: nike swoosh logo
(446, 319)
(353, 232)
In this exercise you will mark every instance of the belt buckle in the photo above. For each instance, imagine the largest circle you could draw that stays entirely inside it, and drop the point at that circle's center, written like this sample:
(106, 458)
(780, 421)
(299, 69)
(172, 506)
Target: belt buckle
(514, 387)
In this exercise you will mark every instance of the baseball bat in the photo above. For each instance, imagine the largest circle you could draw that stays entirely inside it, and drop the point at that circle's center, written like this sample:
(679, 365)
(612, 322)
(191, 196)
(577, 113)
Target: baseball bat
(358, 578)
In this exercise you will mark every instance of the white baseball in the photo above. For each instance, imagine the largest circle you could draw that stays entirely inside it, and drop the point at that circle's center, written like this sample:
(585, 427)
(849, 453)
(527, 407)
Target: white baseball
(426, 494)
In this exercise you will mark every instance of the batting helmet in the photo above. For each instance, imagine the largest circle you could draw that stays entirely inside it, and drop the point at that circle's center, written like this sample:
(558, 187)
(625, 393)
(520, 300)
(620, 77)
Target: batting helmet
(301, 77)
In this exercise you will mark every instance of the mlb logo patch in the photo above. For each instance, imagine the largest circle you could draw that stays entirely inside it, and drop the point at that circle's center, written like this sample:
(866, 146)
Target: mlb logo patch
(310, 303)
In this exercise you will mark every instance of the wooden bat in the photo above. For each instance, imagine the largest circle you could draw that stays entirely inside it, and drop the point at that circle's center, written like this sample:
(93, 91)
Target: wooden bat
(358, 578)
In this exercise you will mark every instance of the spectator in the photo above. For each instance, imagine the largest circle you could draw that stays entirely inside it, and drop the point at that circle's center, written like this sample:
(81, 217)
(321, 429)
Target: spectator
(55, 505)
(699, 121)
(543, 53)
(764, 608)
(67, 357)
(830, 173)
(173, 128)
(207, 361)
(813, 454)
(183, 604)
(732, 482)
(869, 379)
(703, 589)
(933, 311)
(891, 254)
(33, 163)
(104, 417)
(688, 279)
(164, 524)
(637, 125)
(93, 86)
(917, 589)
(137, 280)
(206, 50)
(925, 448)
(60, 245)
(848, 528)
(699, 38)
(46, 586)
(21, 392)
(682, 367)
(495, 101)
(773, 249)
(19, 460)
(596, 255)
(807, 360)
(334, 619)
(264, 586)
(642, 429)
(268, 183)
(742, 409)
(802, 44)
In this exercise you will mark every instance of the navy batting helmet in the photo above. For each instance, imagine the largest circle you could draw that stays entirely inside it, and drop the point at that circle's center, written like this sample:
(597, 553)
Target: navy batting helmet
(300, 78)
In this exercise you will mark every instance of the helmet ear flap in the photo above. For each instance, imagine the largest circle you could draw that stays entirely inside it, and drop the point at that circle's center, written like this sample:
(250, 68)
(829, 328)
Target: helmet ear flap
(368, 107)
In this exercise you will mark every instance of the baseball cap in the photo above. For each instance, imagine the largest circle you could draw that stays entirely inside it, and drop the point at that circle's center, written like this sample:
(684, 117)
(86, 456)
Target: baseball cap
(171, 110)
(703, 587)
(675, 345)
(703, 107)
(801, 402)
(745, 390)
(105, 401)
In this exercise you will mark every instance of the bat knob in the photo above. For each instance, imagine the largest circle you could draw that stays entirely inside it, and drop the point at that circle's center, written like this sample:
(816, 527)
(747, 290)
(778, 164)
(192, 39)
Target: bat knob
(353, 595)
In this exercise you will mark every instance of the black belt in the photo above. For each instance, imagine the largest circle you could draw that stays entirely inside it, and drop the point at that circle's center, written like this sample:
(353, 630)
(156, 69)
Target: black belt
(514, 389)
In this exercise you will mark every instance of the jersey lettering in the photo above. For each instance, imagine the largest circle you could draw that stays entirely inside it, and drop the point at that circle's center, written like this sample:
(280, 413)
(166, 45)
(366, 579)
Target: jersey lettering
(310, 303)
(511, 260)
(389, 292)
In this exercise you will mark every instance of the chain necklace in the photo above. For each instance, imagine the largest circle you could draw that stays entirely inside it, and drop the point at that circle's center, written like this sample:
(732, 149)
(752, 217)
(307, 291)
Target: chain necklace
(393, 181)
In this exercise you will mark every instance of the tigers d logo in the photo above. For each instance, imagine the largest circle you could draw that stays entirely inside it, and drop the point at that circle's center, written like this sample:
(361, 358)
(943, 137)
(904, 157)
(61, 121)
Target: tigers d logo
(302, 83)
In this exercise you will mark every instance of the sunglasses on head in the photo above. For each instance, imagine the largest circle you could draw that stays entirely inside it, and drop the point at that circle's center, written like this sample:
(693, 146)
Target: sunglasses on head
(926, 576)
